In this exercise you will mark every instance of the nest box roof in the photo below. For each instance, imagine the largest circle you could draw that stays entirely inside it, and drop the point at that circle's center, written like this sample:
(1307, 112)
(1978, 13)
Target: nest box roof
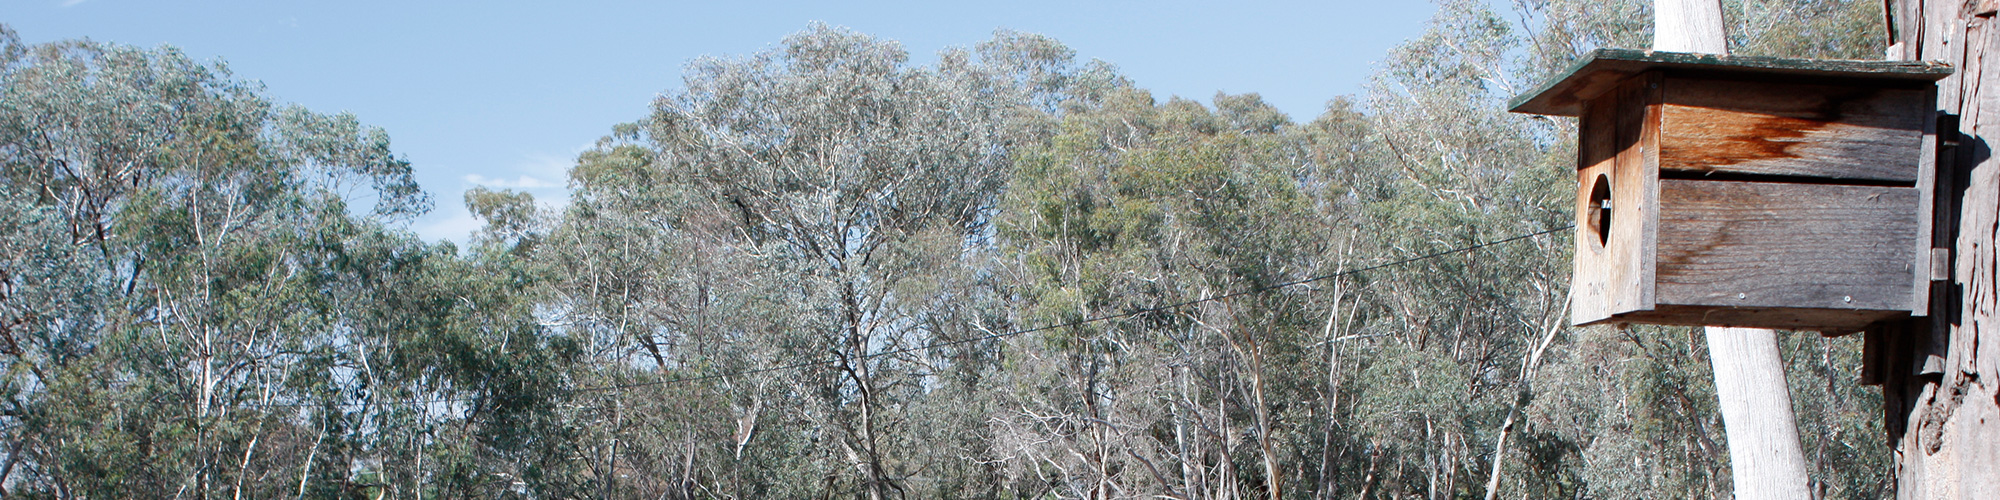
(1603, 68)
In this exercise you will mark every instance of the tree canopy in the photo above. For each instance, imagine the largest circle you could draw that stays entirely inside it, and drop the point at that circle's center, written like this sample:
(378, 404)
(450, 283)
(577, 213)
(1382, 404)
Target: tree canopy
(823, 270)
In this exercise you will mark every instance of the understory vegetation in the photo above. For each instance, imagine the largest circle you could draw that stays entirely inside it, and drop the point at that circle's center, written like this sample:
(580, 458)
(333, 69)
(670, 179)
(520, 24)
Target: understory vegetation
(824, 271)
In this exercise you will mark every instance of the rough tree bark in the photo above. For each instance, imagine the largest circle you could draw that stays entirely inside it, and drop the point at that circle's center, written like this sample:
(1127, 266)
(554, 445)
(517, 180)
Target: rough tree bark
(1940, 374)
(1765, 459)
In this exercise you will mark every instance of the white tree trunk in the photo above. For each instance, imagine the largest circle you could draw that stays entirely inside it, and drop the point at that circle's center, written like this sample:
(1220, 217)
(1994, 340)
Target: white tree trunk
(1764, 454)
(1765, 460)
(1689, 26)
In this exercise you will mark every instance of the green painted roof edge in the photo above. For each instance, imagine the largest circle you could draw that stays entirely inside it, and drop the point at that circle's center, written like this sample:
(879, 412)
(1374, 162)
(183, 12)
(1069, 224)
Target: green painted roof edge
(1648, 59)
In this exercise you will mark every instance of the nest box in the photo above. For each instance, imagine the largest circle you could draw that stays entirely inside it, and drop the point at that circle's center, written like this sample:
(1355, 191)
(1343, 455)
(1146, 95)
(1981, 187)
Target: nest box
(1748, 191)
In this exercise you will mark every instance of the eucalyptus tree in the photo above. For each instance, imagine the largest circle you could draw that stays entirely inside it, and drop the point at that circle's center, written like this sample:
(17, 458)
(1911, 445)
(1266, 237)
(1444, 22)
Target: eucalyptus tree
(798, 277)
(651, 299)
(826, 200)
(1439, 396)
(1136, 205)
(198, 286)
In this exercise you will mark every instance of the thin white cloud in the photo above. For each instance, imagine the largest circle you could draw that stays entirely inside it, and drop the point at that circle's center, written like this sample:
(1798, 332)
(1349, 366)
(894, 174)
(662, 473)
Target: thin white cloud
(539, 174)
(72, 3)
(549, 166)
(522, 182)
(449, 222)
(536, 171)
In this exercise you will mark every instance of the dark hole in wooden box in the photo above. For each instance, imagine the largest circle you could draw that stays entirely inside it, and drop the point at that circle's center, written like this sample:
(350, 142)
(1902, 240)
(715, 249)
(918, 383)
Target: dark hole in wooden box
(1745, 191)
(1599, 210)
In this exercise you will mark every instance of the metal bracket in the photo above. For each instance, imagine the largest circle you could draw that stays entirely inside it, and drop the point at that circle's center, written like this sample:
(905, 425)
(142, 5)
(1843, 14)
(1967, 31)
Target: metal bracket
(1940, 264)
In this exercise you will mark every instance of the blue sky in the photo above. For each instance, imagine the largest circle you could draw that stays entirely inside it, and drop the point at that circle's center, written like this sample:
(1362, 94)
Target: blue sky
(505, 94)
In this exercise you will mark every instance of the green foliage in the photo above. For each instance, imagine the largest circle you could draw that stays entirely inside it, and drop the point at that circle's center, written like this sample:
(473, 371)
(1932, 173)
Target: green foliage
(205, 298)
(807, 271)
(1136, 205)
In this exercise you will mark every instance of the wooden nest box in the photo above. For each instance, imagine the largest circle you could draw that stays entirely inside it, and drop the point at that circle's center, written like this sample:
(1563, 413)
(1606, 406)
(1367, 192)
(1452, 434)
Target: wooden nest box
(1748, 191)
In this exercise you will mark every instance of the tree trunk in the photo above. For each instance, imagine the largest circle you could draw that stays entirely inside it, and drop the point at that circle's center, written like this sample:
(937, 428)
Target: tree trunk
(1939, 373)
(1250, 363)
(1555, 324)
(1764, 455)
(1765, 460)
(1274, 483)
(1689, 26)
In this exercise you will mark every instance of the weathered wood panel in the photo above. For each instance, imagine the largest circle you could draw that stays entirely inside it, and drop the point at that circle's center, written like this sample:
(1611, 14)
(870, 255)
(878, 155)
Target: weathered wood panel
(1768, 244)
(1836, 321)
(1764, 128)
(1601, 70)
(1613, 269)
(1927, 211)
(1602, 267)
(1764, 454)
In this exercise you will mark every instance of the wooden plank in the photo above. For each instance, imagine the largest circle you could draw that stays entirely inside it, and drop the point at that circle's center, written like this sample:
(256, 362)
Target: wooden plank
(1599, 72)
(1786, 129)
(1598, 266)
(1769, 245)
(1836, 321)
(1766, 462)
(1872, 360)
(1927, 242)
(1641, 168)
(1612, 274)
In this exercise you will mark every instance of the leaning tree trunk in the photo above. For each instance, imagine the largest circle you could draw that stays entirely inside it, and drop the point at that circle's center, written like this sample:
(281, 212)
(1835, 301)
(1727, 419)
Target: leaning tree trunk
(1765, 460)
(1940, 375)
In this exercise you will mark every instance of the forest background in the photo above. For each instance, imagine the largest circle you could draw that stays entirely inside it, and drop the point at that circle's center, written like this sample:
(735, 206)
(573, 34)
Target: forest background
(823, 271)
